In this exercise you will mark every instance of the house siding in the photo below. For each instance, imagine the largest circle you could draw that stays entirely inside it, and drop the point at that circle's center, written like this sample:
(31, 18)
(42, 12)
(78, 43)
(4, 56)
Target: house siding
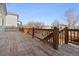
(0, 21)
(11, 20)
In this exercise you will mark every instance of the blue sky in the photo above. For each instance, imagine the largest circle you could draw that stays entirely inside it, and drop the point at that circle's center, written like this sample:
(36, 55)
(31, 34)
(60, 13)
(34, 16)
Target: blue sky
(46, 12)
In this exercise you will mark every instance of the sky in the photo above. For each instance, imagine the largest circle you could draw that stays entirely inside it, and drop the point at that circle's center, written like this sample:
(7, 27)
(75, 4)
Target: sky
(41, 12)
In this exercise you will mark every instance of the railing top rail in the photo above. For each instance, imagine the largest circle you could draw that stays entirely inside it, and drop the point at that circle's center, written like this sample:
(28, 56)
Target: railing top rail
(73, 29)
(61, 30)
(44, 29)
(40, 29)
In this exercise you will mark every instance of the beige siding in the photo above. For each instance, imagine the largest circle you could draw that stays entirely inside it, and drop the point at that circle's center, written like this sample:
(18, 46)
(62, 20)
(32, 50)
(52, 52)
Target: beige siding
(0, 21)
(11, 20)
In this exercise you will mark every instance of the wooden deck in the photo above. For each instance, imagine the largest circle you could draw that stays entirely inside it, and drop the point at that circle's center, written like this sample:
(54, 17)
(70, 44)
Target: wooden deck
(19, 44)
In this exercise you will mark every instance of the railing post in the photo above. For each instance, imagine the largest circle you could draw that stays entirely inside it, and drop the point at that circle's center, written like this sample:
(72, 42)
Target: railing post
(56, 38)
(66, 35)
(33, 32)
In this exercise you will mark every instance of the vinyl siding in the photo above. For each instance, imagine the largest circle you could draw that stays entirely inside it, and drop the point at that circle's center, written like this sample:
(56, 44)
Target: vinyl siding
(11, 20)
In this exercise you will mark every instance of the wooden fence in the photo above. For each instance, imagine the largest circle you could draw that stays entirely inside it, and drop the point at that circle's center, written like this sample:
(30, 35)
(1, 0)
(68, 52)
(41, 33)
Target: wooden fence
(54, 37)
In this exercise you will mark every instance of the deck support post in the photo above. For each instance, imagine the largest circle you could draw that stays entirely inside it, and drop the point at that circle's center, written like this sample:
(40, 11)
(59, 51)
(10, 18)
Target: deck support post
(66, 35)
(33, 32)
(56, 38)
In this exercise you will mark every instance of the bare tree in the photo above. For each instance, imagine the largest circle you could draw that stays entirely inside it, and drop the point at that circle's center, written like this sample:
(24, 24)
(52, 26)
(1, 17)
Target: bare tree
(29, 24)
(34, 24)
(55, 23)
(71, 17)
(39, 24)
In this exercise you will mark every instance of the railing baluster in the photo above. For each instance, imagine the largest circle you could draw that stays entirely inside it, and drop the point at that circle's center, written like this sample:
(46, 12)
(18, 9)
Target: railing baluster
(66, 35)
(33, 32)
(74, 35)
(78, 34)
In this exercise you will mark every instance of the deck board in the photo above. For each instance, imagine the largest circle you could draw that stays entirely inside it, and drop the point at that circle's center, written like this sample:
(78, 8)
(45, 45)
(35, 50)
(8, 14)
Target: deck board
(69, 49)
(20, 44)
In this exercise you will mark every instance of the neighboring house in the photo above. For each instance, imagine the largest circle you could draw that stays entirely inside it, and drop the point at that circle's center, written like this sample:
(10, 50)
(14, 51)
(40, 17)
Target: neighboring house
(46, 27)
(3, 13)
(74, 27)
(62, 26)
(8, 19)
(12, 19)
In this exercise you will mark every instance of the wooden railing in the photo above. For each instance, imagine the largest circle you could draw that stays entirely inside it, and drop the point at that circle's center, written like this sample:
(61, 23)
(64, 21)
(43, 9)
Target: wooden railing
(41, 33)
(54, 37)
(68, 35)
(49, 36)
(73, 35)
(62, 36)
